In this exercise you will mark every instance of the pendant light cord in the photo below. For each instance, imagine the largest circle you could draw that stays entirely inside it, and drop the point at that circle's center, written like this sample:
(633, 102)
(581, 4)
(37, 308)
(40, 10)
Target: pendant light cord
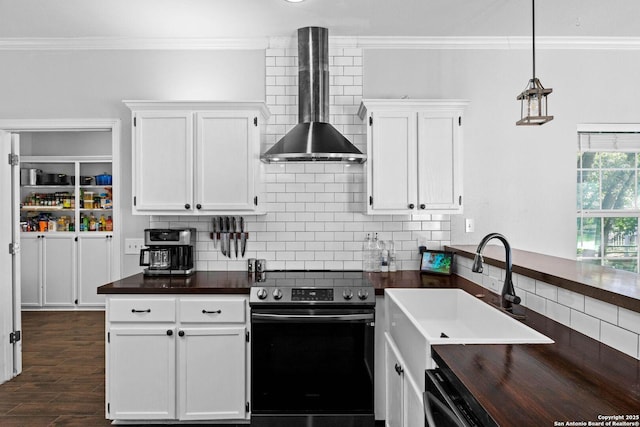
(533, 26)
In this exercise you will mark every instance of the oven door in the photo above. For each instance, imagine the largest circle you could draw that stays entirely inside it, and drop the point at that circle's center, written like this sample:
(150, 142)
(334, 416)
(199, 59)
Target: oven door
(312, 367)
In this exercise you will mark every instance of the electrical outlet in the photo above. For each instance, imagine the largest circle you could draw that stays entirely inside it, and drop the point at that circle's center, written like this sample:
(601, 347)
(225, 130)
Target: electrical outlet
(469, 226)
(133, 246)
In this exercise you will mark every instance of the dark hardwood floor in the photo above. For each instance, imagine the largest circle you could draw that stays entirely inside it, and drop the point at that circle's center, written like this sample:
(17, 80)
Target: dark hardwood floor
(62, 382)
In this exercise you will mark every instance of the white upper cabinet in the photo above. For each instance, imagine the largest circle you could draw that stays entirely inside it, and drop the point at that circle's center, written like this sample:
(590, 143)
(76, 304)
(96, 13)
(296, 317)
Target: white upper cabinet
(415, 155)
(196, 158)
(163, 160)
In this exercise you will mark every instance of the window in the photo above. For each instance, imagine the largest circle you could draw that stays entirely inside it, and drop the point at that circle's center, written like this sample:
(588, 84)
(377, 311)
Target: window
(608, 198)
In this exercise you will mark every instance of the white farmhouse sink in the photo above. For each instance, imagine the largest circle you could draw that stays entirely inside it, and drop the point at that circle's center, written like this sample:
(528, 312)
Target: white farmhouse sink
(418, 318)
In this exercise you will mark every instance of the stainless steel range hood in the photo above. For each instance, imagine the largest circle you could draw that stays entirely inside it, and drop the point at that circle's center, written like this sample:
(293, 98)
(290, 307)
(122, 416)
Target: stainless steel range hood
(313, 138)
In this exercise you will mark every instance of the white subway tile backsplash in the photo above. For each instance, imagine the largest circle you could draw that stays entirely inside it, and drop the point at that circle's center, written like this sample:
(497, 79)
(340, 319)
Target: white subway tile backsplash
(629, 320)
(601, 310)
(621, 339)
(571, 299)
(585, 324)
(559, 313)
(536, 303)
(547, 291)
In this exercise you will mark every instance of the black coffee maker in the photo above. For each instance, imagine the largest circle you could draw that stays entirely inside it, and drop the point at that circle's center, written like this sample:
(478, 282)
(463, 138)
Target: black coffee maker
(169, 251)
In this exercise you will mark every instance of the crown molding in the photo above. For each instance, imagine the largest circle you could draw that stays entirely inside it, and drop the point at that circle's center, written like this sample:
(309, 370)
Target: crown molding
(132, 43)
(496, 43)
(364, 42)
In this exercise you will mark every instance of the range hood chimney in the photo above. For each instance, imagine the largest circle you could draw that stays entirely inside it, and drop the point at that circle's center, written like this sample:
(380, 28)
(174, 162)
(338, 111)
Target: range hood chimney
(313, 138)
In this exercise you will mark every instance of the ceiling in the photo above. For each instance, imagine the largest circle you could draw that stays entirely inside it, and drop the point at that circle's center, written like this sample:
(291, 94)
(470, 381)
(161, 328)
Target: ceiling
(275, 18)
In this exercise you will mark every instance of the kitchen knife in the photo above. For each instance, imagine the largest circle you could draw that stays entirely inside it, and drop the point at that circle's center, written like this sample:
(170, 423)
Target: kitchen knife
(227, 225)
(243, 237)
(235, 235)
(214, 236)
(222, 241)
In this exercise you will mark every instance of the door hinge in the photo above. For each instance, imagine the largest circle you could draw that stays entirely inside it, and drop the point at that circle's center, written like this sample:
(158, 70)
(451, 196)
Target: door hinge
(14, 159)
(255, 200)
(134, 122)
(14, 248)
(370, 120)
(255, 121)
(246, 336)
(246, 407)
(370, 200)
(459, 120)
(14, 337)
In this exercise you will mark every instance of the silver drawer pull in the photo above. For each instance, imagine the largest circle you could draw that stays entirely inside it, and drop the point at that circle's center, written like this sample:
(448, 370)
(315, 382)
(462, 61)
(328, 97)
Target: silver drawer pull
(148, 310)
(211, 312)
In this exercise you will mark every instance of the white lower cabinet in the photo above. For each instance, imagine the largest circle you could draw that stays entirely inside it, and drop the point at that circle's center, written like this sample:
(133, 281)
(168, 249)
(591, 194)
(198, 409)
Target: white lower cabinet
(403, 396)
(47, 270)
(94, 267)
(142, 366)
(61, 270)
(177, 358)
(211, 372)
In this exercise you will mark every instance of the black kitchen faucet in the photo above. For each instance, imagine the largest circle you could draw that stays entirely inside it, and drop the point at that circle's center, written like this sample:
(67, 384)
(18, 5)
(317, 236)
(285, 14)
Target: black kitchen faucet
(508, 295)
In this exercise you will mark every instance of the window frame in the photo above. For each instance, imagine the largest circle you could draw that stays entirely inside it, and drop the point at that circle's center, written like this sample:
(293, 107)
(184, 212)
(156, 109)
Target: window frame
(600, 213)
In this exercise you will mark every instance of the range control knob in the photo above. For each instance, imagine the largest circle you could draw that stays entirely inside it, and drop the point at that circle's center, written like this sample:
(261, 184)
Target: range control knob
(347, 294)
(277, 294)
(262, 293)
(363, 294)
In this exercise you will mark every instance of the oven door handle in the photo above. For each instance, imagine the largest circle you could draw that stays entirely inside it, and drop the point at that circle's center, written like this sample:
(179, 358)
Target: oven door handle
(313, 317)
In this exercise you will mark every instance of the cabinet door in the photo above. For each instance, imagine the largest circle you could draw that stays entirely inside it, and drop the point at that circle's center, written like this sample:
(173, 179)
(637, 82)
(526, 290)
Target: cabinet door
(163, 161)
(393, 162)
(141, 373)
(394, 387)
(31, 271)
(439, 161)
(58, 274)
(212, 366)
(413, 408)
(94, 268)
(226, 160)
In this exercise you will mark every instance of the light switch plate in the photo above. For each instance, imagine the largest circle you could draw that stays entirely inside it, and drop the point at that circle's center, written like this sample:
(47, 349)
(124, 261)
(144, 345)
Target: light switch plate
(469, 226)
(133, 246)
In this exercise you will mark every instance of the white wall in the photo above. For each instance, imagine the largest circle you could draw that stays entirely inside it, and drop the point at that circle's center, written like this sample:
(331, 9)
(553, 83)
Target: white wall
(519, 181)
(92, 84)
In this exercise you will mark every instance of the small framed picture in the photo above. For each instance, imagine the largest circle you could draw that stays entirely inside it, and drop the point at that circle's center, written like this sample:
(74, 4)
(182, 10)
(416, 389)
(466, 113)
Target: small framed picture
(436, 262)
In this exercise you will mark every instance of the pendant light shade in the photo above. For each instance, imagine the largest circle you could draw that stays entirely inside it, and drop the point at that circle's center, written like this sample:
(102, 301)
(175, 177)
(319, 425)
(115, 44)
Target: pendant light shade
(533, 99)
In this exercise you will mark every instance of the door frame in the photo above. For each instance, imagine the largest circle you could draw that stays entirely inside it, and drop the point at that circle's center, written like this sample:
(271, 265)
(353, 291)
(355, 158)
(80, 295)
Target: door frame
(84, 124)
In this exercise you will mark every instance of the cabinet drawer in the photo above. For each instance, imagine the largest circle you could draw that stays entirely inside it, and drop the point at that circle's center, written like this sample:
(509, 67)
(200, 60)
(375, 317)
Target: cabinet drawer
(212, 310)
(142, 310)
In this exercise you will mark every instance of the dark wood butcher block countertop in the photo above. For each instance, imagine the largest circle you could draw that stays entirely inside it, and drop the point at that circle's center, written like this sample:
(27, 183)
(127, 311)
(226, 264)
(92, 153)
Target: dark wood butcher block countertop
(616, 287)
(201, 282)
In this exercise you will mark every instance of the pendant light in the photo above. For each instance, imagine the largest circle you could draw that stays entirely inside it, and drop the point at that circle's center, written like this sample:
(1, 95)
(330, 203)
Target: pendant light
(533, 99)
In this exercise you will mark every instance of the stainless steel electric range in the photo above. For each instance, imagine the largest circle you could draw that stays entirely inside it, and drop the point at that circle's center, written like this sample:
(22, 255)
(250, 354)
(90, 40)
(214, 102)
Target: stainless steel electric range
(312, 349)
